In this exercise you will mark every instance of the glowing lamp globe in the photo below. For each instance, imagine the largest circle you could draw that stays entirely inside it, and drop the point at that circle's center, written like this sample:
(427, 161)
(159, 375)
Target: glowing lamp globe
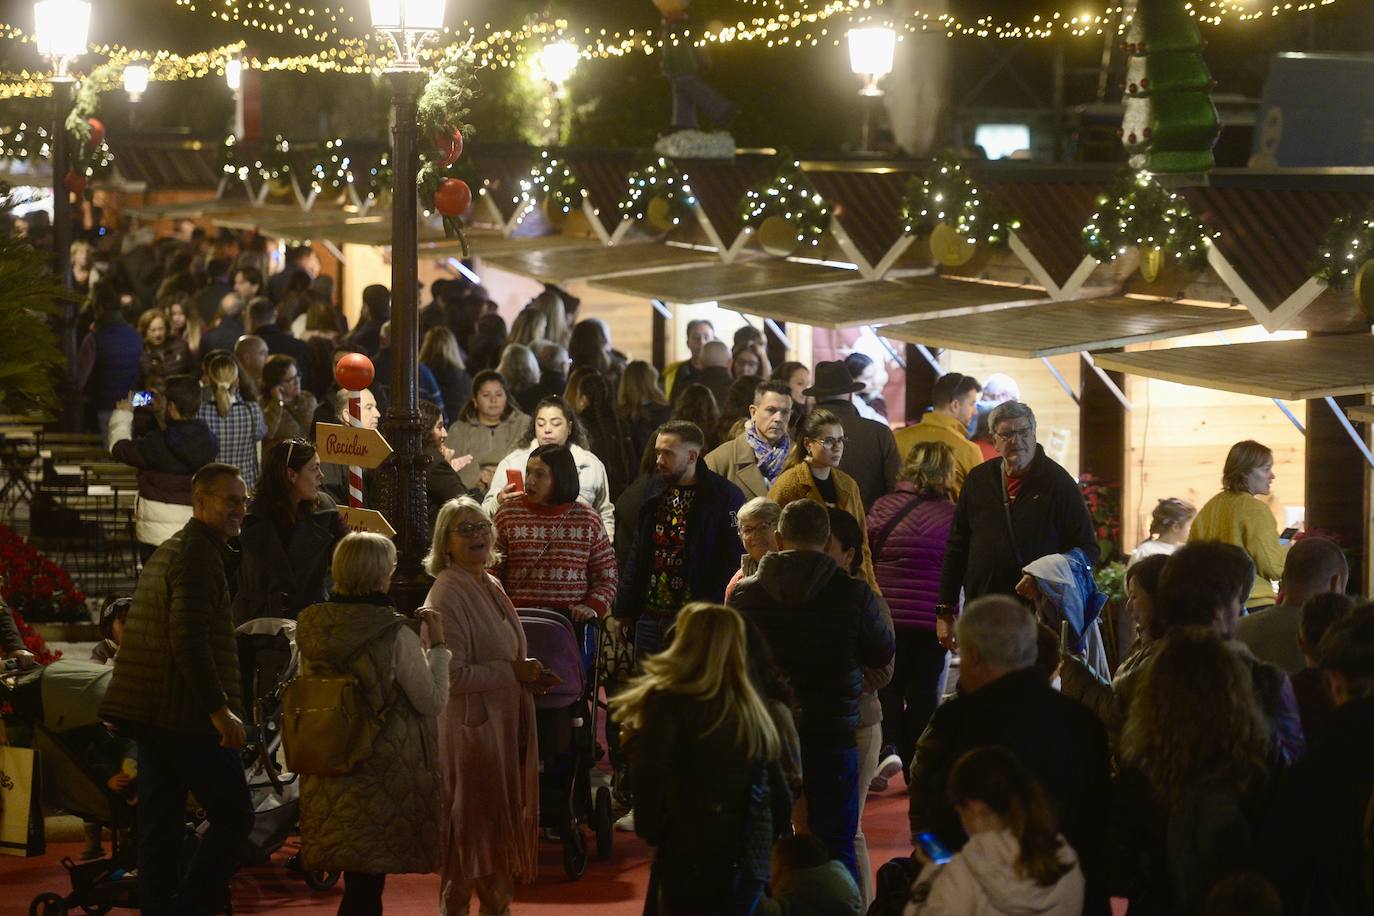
(354, 372)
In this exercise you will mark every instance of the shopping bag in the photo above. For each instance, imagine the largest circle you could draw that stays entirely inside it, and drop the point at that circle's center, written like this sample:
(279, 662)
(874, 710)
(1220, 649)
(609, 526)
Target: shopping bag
(21, 803)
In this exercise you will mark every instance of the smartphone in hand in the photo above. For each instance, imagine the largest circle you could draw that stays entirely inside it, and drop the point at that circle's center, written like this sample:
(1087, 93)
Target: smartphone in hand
(515, 479)
(933, 848)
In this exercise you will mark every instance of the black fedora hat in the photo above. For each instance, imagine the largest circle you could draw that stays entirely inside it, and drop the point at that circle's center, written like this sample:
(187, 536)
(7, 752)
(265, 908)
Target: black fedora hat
(832, 379)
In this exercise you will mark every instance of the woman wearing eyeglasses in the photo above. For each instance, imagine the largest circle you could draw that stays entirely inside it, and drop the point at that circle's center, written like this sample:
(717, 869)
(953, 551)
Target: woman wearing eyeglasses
(287, 410)
(288, 536)
(813, 472)
(488, 746)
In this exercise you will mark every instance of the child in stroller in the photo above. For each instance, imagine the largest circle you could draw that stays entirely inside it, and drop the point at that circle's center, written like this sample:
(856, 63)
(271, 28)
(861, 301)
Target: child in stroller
(565, 717)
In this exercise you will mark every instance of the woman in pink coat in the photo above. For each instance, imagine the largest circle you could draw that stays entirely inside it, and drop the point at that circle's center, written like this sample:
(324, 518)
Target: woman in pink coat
(488, 751)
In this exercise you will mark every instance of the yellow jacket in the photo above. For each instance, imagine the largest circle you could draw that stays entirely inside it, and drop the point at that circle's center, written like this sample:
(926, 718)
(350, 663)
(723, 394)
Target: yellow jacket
(941, 427)
(1241, 519)
(795, 483)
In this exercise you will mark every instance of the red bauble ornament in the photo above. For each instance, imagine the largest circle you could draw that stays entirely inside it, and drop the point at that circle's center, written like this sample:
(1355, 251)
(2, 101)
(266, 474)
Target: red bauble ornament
(450, 147)
(97, 132)
(453, 197)
(74, 183)
(354, 372)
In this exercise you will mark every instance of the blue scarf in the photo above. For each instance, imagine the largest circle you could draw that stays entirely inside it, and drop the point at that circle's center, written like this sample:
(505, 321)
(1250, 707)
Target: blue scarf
(770, 457)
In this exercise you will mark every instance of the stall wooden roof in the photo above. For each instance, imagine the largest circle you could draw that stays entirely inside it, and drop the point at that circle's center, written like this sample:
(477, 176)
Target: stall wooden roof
(191, 209)
(886, 301)
(487, 243)
(729, 281)
(1068, 327)
(1291, 370)
(569, 265)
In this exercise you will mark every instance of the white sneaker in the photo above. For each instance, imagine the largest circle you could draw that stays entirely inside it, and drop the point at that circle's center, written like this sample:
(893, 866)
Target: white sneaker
(889, 767)
(626, 823)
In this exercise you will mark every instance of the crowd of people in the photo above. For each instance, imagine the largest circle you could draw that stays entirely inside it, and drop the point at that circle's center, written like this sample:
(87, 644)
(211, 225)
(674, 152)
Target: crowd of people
(782, 586)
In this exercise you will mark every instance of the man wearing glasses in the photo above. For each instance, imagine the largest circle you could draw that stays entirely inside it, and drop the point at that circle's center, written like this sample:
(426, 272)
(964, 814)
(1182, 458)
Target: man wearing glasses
(1010, 513)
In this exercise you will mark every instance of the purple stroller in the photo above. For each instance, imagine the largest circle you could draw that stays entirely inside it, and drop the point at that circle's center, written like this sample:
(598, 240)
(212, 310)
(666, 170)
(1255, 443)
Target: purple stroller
(566, 719)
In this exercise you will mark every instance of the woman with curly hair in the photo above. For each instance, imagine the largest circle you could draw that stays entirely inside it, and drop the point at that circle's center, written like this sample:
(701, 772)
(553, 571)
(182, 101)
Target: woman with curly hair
(1196, 764)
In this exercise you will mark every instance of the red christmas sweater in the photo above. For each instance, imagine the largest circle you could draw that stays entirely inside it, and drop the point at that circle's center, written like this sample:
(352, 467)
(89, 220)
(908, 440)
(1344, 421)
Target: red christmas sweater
(555, 556)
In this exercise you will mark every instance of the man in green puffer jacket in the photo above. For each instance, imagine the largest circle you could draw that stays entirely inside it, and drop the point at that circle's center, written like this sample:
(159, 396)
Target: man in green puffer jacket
(175, 691)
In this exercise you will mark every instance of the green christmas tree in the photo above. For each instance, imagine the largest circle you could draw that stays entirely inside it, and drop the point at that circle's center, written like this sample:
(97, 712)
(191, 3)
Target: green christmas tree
(1170, 123)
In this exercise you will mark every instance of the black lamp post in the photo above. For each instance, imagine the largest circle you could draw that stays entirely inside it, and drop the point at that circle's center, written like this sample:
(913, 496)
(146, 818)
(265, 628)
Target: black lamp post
(408, 24)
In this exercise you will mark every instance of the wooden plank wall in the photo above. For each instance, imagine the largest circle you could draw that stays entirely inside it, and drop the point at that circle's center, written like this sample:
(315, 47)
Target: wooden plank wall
(1177, 437)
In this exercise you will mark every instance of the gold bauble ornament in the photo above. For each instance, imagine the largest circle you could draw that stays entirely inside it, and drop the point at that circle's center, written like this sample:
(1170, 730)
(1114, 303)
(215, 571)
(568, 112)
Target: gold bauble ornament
(575, 223)
(1151, 263)
(554, 212)
(279, 187)
(659, 214)
(778, 236)
(1364, 288)
(950, 248)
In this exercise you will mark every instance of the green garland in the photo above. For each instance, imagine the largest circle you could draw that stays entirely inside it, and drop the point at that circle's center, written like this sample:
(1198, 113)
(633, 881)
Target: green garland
(83, 158)
(332, 172)
(274, 162)
(790, 195)
(553, 181)
(946, 194)
(231, 165)
(1137, 211)
(380, 177)
(1347, 244)
(658, 178)
(443, 109)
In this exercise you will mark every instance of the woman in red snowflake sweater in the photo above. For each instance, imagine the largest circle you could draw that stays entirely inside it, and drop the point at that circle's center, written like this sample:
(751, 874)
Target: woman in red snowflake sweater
(553, 549)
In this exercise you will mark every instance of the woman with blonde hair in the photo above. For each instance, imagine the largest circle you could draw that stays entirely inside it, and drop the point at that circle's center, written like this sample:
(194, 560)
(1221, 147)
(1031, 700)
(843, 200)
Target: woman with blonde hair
(1170, 523)
(1196, 762)
(440, 352)
(488, 746)
(530, 325)
(813, 472)
(641, 403)
(550, 306)
(185, 325)
(1237, 516)
(908, 530)
(695, 711)
(1014, 857)
(238, 424)
(382, 817)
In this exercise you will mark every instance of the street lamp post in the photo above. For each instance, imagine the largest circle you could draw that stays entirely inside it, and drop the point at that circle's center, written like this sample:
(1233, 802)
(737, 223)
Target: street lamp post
(135, 84)
(871, 53)
(60, 30)
(557, 60)
(407, 24)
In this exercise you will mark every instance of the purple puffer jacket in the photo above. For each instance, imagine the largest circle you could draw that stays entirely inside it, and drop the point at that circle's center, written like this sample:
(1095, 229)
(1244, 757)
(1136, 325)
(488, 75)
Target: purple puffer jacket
(908, 568)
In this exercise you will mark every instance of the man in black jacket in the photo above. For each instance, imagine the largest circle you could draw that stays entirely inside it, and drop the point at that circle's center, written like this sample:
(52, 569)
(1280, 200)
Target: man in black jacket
(685, 544)
(824, 627)
(1004, 701)
(871, 456)
(1010, 513)
(262, 319)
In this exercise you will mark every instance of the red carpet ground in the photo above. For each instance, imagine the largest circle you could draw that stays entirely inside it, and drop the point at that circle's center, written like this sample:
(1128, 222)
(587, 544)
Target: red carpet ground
(614, 887)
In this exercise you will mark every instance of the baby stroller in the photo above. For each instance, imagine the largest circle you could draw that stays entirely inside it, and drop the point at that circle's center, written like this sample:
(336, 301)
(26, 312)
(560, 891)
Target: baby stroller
(566, 721)
(56, 713)
(267, 660)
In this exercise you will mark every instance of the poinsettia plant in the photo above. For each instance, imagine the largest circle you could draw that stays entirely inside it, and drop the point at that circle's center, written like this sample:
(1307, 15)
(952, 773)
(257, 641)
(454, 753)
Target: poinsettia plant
(1104, 505)
(34, 586)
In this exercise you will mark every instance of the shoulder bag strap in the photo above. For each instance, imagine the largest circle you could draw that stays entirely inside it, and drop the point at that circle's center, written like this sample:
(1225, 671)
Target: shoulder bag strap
(876, 547)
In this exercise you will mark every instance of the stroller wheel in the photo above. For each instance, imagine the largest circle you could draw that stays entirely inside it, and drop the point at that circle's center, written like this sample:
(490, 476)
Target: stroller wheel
(603, 818)
(321, 880)
(48, 904)
(575, 852)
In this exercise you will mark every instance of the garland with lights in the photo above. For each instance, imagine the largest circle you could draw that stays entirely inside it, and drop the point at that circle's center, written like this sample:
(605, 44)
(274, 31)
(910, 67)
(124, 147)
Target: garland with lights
(789, 195)
(946, 194)
(380, 177)
(658, 179)
(1137, 211)
(231, 165)
(332, 173)
(1346, 246)
(554, 183)
(442, 119)
(88, 153)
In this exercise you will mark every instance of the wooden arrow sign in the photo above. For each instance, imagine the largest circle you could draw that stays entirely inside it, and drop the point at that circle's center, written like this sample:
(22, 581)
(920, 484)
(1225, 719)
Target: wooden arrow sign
(366, 520)
(338, 444)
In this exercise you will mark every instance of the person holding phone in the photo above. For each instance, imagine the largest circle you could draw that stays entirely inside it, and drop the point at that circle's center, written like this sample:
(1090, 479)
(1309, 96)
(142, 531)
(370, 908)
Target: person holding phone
(488, 744)
(555, 423)
(1015, 860)
(554, 551)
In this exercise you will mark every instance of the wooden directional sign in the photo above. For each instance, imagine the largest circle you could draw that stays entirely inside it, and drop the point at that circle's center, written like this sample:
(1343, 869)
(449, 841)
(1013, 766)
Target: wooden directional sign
(337, 444)
(366, 520)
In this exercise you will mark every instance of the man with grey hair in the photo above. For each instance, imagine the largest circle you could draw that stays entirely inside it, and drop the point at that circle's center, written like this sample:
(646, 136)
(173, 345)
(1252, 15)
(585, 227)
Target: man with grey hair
(1010, 513)
(1004, 701)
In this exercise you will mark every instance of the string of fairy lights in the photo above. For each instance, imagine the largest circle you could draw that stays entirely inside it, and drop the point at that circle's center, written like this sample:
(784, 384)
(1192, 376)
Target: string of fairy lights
(787, 23)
